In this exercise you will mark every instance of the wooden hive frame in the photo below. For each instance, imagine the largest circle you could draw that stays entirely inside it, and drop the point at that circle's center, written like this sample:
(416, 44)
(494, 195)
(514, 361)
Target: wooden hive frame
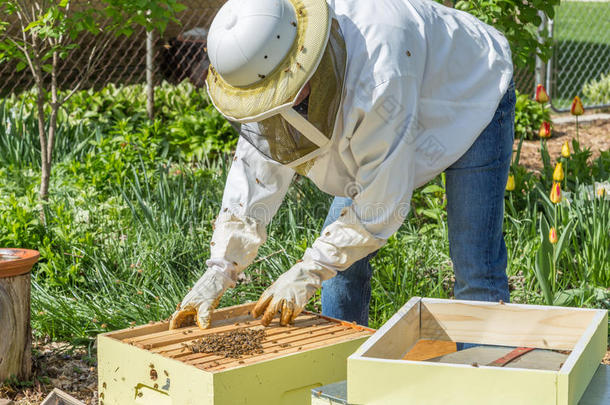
(378, 374)
(152, 364)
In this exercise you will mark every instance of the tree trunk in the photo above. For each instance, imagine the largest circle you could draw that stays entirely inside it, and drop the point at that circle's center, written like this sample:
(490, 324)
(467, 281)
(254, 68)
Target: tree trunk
(15, 330)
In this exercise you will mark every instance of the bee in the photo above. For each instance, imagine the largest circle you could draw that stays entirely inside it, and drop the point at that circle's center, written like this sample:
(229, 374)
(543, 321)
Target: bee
(302, 48)
(261, 76)
(299, 65)
(287, 69)
(258, 181)
(294, 24)
(409, 53)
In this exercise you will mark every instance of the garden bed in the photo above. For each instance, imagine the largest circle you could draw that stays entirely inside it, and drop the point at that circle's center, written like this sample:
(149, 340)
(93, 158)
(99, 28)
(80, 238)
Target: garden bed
(593, 135)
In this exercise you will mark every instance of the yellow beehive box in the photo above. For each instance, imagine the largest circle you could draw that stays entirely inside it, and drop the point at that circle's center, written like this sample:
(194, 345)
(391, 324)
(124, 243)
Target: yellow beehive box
(154, 366)
(378, 373)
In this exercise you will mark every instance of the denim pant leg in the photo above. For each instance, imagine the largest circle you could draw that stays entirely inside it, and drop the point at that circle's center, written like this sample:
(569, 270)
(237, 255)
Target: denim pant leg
(347, 295)
(475, 209)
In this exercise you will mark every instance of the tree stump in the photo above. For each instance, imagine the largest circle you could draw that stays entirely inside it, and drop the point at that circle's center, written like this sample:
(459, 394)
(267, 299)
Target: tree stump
(15, 329)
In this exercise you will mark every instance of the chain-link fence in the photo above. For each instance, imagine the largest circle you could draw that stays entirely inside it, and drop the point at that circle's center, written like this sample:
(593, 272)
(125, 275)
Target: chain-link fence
(178, 55)
(581, 57)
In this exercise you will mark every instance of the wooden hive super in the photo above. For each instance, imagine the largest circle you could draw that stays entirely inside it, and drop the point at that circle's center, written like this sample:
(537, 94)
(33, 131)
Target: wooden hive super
(379, 374)
(152, 365)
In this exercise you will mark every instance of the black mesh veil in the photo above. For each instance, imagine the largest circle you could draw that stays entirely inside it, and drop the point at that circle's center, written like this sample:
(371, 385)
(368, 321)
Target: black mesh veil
(280, 141)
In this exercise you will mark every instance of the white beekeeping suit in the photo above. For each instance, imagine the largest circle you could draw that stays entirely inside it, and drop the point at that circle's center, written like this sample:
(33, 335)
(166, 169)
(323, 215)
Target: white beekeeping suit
(420, 83)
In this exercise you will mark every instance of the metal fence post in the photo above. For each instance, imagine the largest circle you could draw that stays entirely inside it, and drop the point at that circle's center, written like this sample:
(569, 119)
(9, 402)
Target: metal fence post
(540, 64)
(150, 76)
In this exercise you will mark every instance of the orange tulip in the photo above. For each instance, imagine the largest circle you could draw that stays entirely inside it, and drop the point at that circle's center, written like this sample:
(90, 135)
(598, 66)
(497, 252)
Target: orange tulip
(545, 130)
(577, 107)
(558, 172)
(510, 183)
(553, 236)
(555, 195)
(565, 150)
(542, 96)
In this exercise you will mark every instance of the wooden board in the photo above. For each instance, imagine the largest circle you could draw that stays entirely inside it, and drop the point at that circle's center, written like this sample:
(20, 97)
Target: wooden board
(378, 372)
(429, 349)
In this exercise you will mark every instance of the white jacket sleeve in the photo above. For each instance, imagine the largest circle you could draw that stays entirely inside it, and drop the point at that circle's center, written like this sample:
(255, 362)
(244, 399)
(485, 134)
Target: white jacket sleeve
(254, 190)
(383, 149)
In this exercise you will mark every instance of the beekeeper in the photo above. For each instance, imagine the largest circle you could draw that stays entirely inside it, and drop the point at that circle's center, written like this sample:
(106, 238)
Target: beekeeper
(369, 99)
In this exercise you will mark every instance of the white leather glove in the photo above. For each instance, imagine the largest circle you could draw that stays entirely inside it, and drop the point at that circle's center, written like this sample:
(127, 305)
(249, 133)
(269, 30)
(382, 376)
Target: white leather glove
(342, 243)
(234, 245)
(205, 295)
(290, 292)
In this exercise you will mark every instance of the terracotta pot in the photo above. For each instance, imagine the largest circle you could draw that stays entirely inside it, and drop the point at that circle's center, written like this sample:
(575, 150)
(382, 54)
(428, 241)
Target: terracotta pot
(15, 262)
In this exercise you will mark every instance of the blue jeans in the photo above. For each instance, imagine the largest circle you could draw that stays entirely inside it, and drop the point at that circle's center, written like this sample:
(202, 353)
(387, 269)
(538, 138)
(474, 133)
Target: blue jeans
(475, 209)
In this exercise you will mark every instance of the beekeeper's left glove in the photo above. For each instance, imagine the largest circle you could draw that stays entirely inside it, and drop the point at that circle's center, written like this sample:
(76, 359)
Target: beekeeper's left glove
(205, 295)
(290, 292)
(342, 243)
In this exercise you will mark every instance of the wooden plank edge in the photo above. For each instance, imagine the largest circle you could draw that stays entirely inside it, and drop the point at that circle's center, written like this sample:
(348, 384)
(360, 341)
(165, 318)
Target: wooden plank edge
(386, 327)
(580, 367)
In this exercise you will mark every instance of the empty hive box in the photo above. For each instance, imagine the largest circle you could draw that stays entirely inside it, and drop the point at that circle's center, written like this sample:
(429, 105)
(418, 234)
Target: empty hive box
(153, 365)
(379, 374)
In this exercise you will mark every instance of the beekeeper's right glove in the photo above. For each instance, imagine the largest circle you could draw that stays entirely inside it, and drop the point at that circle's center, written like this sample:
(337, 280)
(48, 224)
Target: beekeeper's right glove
(234, 246)
(205, 295)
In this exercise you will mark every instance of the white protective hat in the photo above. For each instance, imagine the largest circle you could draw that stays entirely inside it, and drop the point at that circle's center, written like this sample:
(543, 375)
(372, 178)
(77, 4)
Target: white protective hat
(262, 54)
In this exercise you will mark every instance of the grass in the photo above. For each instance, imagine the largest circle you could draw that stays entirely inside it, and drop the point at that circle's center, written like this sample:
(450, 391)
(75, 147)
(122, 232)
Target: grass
(131, 212)
(582, 48)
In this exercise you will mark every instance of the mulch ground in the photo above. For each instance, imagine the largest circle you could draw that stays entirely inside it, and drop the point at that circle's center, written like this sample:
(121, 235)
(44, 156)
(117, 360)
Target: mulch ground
(594, 135)
(70, 369)
(56, 365)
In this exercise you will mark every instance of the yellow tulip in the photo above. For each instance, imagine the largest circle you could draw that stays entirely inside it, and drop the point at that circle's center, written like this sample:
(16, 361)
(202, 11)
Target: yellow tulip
(555, 195)
(510, 183)
(565, 150)
(558, 172)
(541, 94)
(577, 107)
(545, 130)
(553, 238)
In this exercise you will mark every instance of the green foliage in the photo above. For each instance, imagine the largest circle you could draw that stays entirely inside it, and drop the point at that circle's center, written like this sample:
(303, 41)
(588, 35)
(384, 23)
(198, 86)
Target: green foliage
(519, 21)
(529, 116)
(597, 91)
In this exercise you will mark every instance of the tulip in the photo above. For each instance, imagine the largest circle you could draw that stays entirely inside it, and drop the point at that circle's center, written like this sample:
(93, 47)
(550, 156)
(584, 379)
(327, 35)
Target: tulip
(565, 150)
(553, 236)
(510, 183)
(577, 107)
(555, 195)
(542, 96)
(558, 172)
(545, 130)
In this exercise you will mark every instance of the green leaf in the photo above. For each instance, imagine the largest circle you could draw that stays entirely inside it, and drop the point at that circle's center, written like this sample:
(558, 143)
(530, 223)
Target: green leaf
(543, 261)
(565, 235)
(20, 66)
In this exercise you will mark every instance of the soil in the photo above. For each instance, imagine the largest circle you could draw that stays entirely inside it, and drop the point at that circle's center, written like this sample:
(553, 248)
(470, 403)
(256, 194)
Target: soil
(56, 365)
(594, 135)
(70, 369)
